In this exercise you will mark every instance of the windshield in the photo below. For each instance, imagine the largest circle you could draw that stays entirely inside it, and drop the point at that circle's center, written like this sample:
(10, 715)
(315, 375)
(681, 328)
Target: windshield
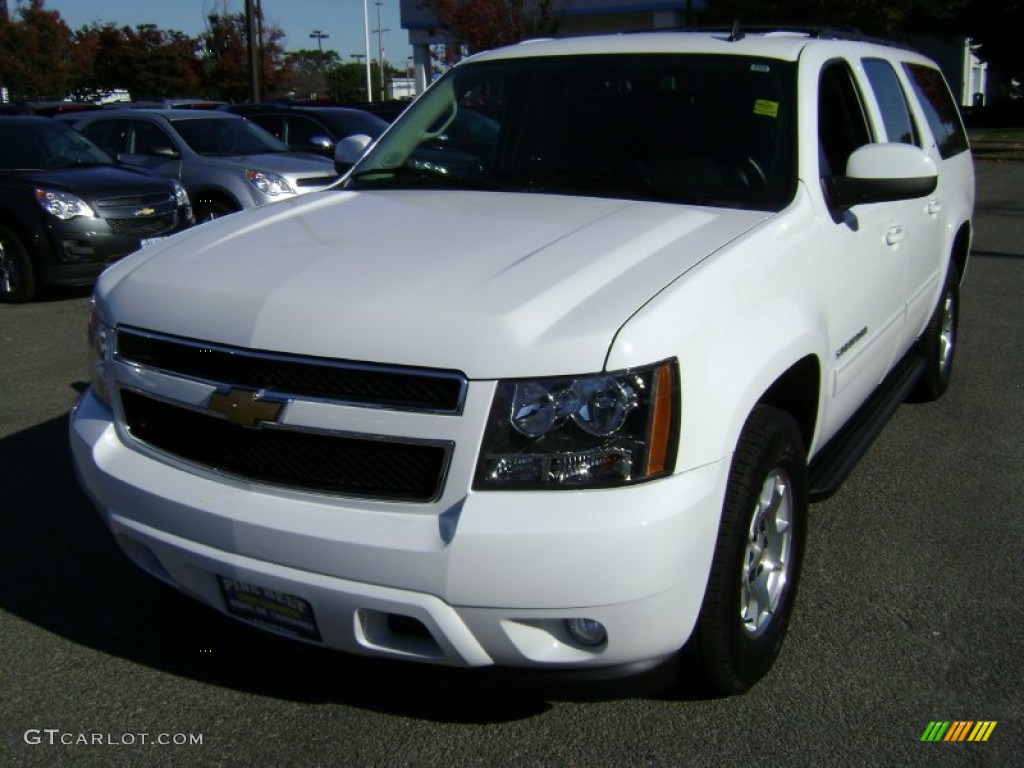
(711, 130)
(46, 144)
(226, 136)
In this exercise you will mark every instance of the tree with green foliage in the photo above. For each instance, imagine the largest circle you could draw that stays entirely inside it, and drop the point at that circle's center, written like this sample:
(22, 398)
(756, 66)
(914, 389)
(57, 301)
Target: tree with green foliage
(225, 59)
(308, 70)
(347, 82)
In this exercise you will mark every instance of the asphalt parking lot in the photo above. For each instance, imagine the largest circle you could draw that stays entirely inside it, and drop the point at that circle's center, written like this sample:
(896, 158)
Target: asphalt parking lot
(910, 609)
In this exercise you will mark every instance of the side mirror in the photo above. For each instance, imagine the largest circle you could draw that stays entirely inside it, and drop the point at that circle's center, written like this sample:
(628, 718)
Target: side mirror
(321, 143)
(162, 150)
(880, 173)
(349, 150)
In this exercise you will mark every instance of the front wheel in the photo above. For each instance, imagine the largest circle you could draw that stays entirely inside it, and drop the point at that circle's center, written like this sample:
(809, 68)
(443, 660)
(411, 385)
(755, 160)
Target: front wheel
(17, 279)
(756, 565)
(210, 208)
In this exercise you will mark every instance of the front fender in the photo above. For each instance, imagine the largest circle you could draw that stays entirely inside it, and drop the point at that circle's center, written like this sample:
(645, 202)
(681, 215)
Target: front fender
(737, 322)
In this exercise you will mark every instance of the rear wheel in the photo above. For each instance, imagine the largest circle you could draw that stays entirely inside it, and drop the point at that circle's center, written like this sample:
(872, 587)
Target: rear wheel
(17, 279)
(756, 565)
(938, 342)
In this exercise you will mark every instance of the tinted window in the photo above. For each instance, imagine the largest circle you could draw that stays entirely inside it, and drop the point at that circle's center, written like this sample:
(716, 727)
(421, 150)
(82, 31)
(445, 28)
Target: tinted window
(842, 125)
(301, 131)
(45, 144)
(705, 129)
(939, 109)
(271, 123)
(110, 135)
(899, 126)
(149, 138)
(226, 136)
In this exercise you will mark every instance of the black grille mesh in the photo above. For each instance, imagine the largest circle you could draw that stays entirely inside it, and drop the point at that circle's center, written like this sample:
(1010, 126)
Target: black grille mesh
(351, 383)
(142, 226)
(308, 461)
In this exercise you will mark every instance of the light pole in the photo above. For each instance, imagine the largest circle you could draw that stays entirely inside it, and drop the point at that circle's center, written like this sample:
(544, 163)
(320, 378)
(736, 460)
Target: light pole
(380, 47)
(366, 33)
(319, 36)
(359, 57)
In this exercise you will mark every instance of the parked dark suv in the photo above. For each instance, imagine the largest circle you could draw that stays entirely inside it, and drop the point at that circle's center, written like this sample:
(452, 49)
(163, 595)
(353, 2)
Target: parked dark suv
(312, 129)
(67, 209)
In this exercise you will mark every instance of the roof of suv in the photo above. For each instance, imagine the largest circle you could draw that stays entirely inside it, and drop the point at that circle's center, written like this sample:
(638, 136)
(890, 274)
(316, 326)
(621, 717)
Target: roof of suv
(780, 44)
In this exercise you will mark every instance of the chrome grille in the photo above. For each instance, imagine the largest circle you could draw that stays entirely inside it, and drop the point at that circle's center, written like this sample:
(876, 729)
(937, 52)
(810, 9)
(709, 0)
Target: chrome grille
(359, 465)
(319, 378)
(136, 201)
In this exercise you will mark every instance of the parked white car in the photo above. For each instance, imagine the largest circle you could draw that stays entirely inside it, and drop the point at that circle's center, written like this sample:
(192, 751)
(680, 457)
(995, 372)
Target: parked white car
(556, 396)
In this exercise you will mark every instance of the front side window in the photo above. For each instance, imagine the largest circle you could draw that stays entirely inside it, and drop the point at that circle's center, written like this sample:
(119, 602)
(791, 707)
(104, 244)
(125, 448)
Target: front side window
(842, 122)
(939, 109)
(149, 139)
(892, 102)
(110, 135)
(700, 129)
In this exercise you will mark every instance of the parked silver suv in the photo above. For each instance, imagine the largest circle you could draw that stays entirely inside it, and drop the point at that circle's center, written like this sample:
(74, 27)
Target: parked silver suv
(225, 162)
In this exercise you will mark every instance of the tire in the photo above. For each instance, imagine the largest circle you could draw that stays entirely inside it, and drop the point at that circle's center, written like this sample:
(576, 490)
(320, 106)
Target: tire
(17, 278)
(938, 342)
(208, 209)
(756, 565)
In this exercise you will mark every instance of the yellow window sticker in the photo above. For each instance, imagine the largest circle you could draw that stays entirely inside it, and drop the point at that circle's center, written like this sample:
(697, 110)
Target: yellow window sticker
(766, 108)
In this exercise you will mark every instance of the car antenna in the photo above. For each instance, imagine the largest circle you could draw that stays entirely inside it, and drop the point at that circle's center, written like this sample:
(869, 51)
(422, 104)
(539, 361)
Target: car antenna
(737, 34)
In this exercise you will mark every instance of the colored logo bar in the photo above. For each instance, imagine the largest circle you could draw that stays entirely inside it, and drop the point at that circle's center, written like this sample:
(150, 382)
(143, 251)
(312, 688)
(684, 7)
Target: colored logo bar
(958, 730)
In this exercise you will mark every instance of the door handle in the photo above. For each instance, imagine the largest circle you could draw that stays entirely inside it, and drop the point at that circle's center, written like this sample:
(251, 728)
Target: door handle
(934, 206)
(895, 234)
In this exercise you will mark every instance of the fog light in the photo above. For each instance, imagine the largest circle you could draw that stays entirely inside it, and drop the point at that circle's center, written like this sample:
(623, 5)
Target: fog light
(586, 631)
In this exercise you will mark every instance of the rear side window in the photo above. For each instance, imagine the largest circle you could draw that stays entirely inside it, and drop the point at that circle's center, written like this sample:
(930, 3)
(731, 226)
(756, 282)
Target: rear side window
(899, 126)
(939, 109)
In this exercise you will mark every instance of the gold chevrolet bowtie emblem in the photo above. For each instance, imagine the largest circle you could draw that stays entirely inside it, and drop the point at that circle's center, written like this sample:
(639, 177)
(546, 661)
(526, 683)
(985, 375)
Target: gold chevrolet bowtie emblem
(244, 408)
(145, 211)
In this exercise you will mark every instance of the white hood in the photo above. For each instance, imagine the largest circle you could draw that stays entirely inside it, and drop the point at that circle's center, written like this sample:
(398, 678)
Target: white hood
(491, 284)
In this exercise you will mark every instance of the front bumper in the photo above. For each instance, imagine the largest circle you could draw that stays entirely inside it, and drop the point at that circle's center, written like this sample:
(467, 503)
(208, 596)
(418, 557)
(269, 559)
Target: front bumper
(488, 581)
(76, 255)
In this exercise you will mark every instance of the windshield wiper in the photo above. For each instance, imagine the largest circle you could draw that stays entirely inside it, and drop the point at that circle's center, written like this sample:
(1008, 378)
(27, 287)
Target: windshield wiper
(422, 173)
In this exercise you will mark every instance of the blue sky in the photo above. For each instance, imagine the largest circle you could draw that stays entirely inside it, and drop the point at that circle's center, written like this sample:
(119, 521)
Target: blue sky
(341, 19)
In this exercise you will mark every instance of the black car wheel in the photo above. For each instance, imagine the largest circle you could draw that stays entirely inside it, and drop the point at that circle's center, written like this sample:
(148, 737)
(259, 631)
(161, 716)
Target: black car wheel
(17, 280)
(210, 208)
(757, 558)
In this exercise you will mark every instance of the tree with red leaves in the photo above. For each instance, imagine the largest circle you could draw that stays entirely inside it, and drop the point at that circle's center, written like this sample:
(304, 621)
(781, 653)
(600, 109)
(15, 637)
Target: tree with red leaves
(486, 24)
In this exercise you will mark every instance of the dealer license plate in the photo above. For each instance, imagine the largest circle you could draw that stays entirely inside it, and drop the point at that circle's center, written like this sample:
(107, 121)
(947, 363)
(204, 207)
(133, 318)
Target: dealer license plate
(269, 609)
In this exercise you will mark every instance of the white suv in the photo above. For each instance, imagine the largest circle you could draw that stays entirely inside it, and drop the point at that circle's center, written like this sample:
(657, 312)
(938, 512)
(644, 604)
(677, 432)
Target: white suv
(554, 392)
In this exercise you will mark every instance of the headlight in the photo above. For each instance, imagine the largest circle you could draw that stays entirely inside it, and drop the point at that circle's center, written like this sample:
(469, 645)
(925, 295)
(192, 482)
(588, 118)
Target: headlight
(101, 351)
(602, 430)
(63, 205)
(180, 195)
(269, 183)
